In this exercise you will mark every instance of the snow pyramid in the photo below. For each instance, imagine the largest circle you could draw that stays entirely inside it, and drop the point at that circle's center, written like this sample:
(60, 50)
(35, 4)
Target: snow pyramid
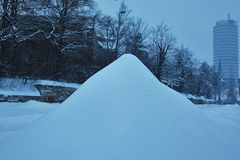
(122, 113)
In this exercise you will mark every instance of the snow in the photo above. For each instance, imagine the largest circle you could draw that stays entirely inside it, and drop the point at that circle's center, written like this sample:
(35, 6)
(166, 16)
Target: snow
(11, 86)
(57, 83)
(198, 98)
(227, 118)
(23, 87)
(123, 112)
(16, 116)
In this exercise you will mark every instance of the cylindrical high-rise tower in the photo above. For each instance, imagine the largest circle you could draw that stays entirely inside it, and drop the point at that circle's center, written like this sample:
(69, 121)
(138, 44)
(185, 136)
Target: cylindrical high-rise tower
(225, 48)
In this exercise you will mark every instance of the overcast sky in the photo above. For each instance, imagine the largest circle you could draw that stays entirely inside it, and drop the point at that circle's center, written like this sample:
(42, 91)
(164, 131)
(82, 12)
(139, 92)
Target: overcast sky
(191, 20)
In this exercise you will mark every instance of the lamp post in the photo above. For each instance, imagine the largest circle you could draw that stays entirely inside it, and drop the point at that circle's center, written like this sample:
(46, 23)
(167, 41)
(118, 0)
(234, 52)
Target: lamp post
(122, 12)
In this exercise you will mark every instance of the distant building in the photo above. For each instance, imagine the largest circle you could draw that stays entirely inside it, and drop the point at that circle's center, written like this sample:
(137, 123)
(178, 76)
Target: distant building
(225, 48)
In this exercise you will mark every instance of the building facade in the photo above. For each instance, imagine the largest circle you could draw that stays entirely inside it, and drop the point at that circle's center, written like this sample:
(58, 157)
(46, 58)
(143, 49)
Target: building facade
(225, 48)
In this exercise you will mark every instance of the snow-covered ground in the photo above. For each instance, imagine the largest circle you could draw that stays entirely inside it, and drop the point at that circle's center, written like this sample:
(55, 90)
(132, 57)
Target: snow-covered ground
(227, 118)
(124, 113)
(16, 116)
(23, 87)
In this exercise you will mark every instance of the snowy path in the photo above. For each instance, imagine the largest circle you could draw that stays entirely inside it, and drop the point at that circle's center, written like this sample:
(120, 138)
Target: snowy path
(227, 118)
(15, 116)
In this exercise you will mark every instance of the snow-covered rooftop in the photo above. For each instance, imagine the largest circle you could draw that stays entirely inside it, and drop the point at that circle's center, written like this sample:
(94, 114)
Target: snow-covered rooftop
(123, 113)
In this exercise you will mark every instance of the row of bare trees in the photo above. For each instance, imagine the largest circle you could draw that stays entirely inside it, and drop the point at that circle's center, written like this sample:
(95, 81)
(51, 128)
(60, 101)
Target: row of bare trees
(157, 48)
(60, 14)
(127, 34)
(62, 22)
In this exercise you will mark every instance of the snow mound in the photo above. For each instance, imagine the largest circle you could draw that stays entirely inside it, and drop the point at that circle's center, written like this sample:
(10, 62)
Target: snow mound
(122, 113)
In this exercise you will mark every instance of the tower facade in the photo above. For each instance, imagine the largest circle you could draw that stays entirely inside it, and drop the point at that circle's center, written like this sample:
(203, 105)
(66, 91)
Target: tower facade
(225, 48)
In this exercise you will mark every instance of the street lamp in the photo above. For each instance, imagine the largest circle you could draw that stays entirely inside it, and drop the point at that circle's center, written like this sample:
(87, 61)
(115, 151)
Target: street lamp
(122, 12)
(123, 8)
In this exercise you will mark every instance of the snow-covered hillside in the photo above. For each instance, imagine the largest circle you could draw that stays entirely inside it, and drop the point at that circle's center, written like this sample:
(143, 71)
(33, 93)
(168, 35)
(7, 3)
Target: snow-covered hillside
(123, 112)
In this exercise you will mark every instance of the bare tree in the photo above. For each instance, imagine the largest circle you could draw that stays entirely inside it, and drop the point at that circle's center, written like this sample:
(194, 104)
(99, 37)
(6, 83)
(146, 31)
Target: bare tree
(106, 31)
(5, 14)
(68, 19)
(137, 34)
(217, 83)
(58, 14)
(204, 85)
(10, 27)
(61, 14)
(231, 91)
(183, 67)
(9, 11)
(112, 31)
(163, 42)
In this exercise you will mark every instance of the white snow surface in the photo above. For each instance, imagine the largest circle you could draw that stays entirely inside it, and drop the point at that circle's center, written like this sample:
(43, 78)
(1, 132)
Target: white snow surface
(16, 116)
(57, 83)
(124, 113)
